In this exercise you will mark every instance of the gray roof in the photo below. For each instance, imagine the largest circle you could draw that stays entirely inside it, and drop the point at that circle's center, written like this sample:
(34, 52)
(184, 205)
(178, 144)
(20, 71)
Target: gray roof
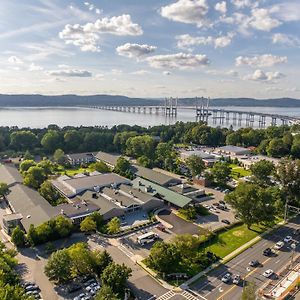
(78, 208)
(234, 149)
(154, 176)
(144, 197)
(97, 180)
(161, 192)
(108, 158)
(202, 154)
(10, 174)
(76, 156)
(183, 188)
(34, 208)
(104, 204)
(119, 197)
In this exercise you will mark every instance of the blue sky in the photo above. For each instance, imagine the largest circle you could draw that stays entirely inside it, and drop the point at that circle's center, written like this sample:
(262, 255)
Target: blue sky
(143, 48)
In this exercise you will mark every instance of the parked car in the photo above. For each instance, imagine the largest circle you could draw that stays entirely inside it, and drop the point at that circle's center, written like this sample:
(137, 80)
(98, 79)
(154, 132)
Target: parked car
(254, 263)
(73, 287)
(296, 231)
(268, 273)
(226, 278)
(222, 202)
(225, 221)
(236, 279)
(161, 227)
(279, 245)
(32, 287)
(288, 239)
(268, 252)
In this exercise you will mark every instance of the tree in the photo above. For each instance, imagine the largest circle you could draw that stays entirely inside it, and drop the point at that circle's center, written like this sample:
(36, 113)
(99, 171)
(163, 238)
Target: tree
(32, 236)
(106, 293)
(140, 145)
(62, 226)
(295, 149)
(252, 203)
(27, 155)
(102, 260)
(34, 177)
(73, 140)
(261, 171)
(23, 140)
(58, 267)
(100, 166)
(288, 174)
(220, 172)
(18, 237)
(195, 164)
(47, 165)
(26, 164)
(59, 156)
(123, 167)
(4, 190)
(277, 148)
(249, 291)
(115, 276)
(88, 224)
(113, 226)
(12, 292)
(51, 140)
(144, 161)
(50, 193)
(98, 218)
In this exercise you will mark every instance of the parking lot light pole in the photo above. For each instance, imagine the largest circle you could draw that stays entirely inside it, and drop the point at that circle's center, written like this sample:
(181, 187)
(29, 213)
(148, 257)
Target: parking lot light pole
(293, 246)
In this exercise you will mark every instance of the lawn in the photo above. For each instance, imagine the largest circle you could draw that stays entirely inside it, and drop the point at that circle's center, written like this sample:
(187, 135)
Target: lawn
(231, 239)
(73, 171)
(237, 171)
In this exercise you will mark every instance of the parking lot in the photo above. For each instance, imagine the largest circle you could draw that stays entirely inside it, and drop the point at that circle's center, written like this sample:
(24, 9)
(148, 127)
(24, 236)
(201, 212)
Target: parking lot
(214, 220)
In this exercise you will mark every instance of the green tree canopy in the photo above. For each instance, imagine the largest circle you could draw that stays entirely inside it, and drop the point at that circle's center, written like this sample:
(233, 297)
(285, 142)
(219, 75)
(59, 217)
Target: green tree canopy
(115, 276)
(18, 237)
(59, 156)
(140, 145)
(106, 293)
(51, 140)
(34, 177)
(23, 140)
(100, 166)
(26, 164)
(113, 226)
(262, 170)
(220, 172)
(195, 164)
(4, 190)
(88, 224)
(50, 193)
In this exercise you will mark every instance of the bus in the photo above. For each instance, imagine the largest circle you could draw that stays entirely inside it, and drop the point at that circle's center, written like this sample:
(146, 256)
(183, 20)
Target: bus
(146, 238)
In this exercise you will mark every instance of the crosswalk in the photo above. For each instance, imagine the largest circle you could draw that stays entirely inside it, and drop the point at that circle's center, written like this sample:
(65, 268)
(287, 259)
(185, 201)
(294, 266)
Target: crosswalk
(189, 296)
(125, 251)
(166, 296)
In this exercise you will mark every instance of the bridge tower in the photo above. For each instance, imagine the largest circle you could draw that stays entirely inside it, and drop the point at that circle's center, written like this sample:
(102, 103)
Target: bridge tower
(171, 106)
(202, 105)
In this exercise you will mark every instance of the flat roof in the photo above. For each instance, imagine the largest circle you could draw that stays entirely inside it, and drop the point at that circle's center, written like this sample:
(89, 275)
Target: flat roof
(164, 193)
(199, 153)
(153, 176)
(119, 197)
(9, 174)
(231, 148)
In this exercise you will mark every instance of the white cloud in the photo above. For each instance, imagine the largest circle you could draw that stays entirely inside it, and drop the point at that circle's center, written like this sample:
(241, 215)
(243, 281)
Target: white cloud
(221, 7)
(99, 76)
(187, 11)
(262, 76)
(286, 39)
(86, 36)
(262, 20)
(33, 67)
(187, 41)
(287, 11)
(178, 61)
(140, 72)
(70, 73)
(233, 73)
(116, 72)
(15, 60)
(98, 11)
(244, 3)
(265, 60)
(135, 50)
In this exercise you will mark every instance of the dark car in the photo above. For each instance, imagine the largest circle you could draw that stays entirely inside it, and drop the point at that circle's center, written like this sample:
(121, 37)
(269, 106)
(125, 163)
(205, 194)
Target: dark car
(296, 231)
(222, 202)
(268, 252)
(254, 263)
(225, 221)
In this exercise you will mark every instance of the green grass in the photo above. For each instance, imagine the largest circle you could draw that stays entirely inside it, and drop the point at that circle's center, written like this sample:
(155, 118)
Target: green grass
(226, 242)
(73, 171)
(237, 171)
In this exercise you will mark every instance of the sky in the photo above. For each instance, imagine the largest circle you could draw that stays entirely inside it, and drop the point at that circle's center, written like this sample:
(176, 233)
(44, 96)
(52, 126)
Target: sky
(151, 48)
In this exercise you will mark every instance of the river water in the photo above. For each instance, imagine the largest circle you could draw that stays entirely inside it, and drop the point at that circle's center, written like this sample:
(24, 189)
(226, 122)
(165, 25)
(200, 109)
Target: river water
(72, 116)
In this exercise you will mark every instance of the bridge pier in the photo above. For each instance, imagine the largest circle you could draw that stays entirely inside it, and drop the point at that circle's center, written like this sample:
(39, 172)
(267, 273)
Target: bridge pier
(262, 121)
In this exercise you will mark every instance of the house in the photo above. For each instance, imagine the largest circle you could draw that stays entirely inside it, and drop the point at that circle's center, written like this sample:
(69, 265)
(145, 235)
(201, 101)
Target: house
(10, 175)
(80, 158)
(70, 187)
(168, 196)
(233, 150)
(154, 176)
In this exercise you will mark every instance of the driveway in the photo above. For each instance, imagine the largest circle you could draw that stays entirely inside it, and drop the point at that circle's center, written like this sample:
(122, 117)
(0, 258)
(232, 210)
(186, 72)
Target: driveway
(180, 226)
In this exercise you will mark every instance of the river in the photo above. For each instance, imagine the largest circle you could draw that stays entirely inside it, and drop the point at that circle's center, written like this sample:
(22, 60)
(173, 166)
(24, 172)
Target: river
(72, 116)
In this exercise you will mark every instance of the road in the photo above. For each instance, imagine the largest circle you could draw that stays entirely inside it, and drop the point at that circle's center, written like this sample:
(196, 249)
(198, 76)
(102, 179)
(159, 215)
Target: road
(212, 288)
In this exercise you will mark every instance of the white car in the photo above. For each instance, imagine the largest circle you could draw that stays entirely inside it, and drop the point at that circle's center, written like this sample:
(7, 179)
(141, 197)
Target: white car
(268, 273)
(287, 239)
(226, 278)
(279, 245)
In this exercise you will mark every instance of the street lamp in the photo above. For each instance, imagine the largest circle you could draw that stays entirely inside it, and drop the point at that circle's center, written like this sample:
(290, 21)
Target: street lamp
(293, 246)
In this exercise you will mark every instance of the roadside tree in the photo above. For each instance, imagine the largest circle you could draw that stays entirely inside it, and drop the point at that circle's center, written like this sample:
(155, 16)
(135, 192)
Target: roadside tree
(88, 225)
(221, 172)
(113, 226)
(18, 237)
(195, 164)
(106, 293)
(4, 190)
(261, 171)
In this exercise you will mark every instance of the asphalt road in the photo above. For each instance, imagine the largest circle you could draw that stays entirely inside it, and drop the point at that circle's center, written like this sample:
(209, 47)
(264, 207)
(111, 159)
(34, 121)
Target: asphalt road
(212, 288)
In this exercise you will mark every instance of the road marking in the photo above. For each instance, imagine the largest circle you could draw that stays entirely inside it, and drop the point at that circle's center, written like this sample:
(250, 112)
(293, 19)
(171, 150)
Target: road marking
(152, 298)
(189, 296)
(166, 296)
(276, 262)
(250, 273)
(125, 251)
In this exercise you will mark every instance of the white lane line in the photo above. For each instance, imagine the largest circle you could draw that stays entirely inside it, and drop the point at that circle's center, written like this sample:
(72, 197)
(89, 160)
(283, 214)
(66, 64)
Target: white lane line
(276, 262)
(152, 298)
